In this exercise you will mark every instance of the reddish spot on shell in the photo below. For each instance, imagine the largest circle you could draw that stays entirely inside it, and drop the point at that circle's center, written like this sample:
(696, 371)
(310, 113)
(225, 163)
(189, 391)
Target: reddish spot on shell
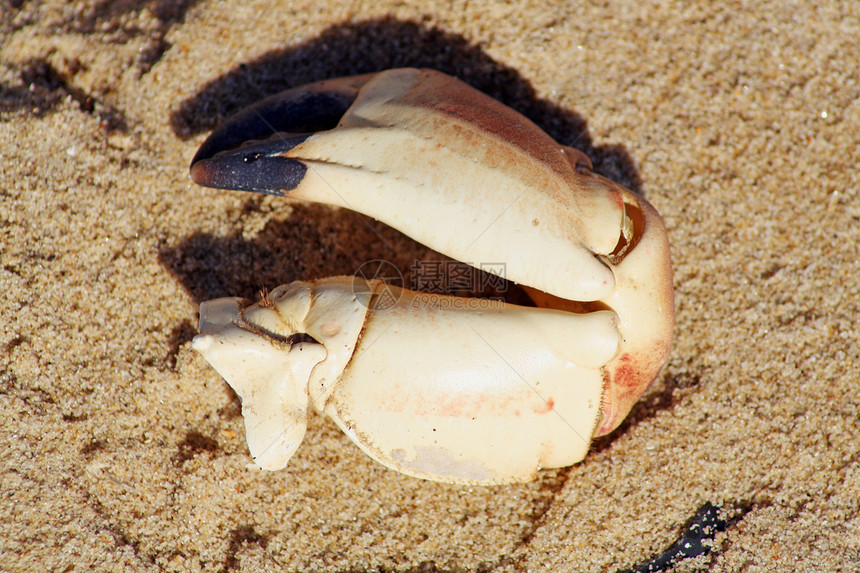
(547, 407)
(625, 374)
(624, 385)
(628, 377)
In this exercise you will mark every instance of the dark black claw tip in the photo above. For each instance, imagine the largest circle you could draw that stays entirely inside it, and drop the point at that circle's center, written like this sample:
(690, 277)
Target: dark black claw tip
(258, 167)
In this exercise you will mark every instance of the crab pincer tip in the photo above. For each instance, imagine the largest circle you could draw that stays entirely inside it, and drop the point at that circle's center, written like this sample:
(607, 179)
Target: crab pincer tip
(258, 166)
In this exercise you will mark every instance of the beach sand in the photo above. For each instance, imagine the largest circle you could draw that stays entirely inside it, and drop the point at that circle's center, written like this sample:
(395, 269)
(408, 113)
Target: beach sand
(122, 450)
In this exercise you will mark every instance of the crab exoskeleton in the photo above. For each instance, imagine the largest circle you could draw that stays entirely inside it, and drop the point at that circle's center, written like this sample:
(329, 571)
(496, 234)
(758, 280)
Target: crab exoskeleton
(427, 384)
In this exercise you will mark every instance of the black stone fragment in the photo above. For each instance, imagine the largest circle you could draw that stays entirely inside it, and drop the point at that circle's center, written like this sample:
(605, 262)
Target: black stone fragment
(703, 527)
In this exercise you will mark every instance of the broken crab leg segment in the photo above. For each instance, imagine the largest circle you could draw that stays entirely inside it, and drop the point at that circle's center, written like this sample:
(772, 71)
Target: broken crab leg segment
(271, 380)
(473, 395)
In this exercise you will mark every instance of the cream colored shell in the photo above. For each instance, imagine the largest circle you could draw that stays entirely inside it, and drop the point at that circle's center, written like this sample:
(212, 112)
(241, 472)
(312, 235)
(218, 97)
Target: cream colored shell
(449, 389)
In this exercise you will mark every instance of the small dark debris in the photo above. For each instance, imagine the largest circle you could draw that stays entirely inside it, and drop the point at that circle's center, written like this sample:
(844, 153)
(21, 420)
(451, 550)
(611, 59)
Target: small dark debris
(771, 271)
(17, 341)
(240, 536)
(702, 528)
(193, 444)
(44, 87)
(686, 379)
(75, 417)
(93, 447)
(151, 54)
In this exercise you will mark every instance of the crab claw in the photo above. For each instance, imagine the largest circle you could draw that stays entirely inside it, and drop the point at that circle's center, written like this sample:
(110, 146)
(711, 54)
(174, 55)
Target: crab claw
(473, 179)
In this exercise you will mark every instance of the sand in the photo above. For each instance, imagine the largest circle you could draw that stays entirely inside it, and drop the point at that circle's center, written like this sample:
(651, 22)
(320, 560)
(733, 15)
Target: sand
(123, 450)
